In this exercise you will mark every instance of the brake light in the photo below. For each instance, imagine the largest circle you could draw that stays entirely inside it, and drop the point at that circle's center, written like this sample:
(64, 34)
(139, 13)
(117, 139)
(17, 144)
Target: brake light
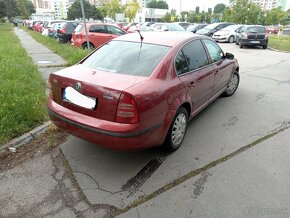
(127, 109)
(61, 31)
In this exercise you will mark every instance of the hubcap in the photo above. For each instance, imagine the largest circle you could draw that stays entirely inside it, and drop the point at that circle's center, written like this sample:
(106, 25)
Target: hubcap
(233, 84)
(178, 130)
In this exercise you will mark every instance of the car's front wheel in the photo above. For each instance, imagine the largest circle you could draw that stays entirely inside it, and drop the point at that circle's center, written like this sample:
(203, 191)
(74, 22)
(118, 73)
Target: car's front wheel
(233, 85)
(231, 39)
(177, 130)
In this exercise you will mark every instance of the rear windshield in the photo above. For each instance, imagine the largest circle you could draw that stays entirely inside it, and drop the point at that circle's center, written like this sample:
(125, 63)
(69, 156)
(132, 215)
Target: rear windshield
(79, 28)
(127, 58)
(256, 29)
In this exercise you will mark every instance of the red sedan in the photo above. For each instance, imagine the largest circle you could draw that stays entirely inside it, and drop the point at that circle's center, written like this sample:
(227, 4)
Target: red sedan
(138, 92)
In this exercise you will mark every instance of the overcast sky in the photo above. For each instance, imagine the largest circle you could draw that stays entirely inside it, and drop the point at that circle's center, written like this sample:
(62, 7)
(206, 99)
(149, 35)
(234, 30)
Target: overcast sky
(187, 5)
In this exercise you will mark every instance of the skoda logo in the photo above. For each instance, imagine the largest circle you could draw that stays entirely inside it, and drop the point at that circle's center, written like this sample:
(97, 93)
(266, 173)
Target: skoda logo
(78, 86)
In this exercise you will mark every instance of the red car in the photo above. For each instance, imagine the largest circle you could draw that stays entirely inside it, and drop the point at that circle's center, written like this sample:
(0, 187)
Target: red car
(272, 30)
(37, 26)
(98, 33)
(138, 92)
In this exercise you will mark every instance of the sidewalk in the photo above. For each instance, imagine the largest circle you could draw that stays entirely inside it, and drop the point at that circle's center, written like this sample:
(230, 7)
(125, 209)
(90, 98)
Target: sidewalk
(45, 59)
(252, 184)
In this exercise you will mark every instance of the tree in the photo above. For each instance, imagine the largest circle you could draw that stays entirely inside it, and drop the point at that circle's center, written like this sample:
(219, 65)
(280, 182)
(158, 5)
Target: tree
(24, 8)
(114, 7)
(131, 10)
(275, 16)
(197, 10)
(75, 12)
(219, 9)
(157, 4)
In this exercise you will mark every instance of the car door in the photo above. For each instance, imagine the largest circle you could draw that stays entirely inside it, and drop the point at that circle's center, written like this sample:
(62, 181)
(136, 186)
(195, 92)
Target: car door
(98, 35)
(222, 67)
(194, 71)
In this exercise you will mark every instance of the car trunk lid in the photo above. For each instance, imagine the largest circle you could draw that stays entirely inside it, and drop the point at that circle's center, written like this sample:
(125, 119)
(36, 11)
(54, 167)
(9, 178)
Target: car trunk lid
(102, 87)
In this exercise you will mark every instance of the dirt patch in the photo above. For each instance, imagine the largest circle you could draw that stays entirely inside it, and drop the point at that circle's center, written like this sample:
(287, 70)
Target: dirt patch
(38, 147)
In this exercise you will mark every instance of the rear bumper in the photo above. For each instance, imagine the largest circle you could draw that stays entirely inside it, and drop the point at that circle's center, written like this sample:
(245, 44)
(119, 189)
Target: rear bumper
(258, 42)
(117, 136)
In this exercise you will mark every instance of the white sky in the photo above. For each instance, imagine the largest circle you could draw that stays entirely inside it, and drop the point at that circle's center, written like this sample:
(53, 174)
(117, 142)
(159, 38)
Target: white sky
(187, 5)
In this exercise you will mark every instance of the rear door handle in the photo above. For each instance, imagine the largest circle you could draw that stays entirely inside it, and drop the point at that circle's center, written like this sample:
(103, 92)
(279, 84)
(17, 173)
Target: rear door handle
(216, 72)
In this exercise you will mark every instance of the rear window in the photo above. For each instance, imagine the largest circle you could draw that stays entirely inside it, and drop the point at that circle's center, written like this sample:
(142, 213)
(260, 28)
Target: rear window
(127, 58)
(79, 28)
(256, 29)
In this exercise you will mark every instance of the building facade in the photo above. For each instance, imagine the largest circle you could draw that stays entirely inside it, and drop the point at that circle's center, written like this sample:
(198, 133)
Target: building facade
(270, 4)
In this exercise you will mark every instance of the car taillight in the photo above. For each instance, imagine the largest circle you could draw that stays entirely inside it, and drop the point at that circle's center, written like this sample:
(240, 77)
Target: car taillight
(127, 109)
(61, 31)
(244, 36)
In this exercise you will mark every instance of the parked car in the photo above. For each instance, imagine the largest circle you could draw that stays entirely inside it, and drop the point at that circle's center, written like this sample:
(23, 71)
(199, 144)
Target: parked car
(52, 31)
(64, 33)
(98, 33)
(47, 25)
(272, 30)
(121, 24)
(129, 25)
(195, 27)
(183, 24)
(37, 26)
(129, 96)
(210, 29)
(227, 34)
(166, 27)
(253, 35)
(31, 23)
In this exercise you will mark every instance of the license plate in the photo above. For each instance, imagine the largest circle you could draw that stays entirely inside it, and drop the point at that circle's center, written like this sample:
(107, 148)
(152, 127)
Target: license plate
(74, 97)
(255, 41)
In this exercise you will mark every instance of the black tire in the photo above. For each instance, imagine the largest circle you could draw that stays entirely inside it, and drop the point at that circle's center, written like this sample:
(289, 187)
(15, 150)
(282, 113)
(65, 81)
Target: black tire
(233, 85)
(231, 39)
(265, 46)
(85, 46)
(241, 46)
(180, 116)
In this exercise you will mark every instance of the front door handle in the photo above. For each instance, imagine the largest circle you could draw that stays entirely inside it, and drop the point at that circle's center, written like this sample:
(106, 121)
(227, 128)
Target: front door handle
(192, 84)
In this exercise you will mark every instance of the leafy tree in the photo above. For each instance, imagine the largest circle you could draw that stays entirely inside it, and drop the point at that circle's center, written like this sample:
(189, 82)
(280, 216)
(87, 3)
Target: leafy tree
(209, 10)
(8, 8)
(197, 10)
(75, 12)
(24, 8)
(114, 7)
(157, 4)
(167, 16)
(219, 8)
(275, 16)
(131, 10)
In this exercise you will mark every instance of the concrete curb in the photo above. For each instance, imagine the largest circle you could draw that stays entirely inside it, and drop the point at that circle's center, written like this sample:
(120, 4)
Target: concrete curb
(25, 138)
(273, 49)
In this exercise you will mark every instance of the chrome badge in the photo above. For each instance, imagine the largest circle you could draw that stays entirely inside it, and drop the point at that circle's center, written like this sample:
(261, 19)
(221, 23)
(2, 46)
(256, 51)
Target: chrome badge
(78, 86)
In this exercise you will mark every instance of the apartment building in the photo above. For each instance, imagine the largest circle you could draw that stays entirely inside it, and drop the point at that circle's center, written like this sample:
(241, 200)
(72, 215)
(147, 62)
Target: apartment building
(270, 4)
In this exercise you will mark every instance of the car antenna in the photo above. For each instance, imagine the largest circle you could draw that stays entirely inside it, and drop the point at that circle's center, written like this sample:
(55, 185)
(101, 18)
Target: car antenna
(141, 38)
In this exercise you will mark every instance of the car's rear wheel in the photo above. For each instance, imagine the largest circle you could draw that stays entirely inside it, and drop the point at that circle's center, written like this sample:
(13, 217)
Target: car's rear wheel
(265, 46)
(241, 46)
(177, 130)
(233, 85)
(85, 46)
(231, 39)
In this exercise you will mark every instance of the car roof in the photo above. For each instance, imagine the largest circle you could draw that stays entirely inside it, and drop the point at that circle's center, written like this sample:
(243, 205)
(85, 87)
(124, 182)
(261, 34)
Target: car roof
(159, 38)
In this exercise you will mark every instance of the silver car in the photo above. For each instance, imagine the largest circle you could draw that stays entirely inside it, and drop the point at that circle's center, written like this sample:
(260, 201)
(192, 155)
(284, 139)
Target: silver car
(227, 34)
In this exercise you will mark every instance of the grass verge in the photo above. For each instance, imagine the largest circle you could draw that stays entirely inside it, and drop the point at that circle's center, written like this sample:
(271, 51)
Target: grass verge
(281, 43)
(70, 53)
(22, 89)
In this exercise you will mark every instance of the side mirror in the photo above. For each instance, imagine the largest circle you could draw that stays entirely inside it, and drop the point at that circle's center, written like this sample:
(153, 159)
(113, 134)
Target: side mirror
(229, 56)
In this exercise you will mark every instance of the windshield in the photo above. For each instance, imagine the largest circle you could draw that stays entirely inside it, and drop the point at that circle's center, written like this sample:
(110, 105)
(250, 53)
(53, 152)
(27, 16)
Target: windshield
(211, 26)
(256, 29)
(231, 27)
(175, 27)
(123, 58)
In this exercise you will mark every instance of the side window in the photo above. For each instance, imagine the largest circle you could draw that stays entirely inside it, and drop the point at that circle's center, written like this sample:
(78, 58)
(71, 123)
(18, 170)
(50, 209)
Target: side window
(181, 64)
(97, 29)
(114, 30)
(195, 55)
(214, 50)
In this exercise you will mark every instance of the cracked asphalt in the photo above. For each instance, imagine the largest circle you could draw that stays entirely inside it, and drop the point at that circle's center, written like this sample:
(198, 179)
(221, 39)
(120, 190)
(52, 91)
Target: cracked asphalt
(233, 162)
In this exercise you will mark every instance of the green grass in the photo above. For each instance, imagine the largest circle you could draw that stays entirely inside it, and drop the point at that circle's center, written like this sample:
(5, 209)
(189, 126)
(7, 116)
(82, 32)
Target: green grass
(22, 89)
(281, 43)
(70, 53)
